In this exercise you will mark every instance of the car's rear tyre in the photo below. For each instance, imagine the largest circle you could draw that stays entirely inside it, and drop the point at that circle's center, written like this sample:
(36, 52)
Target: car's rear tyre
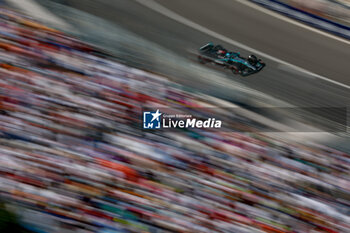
(202, 60)
(218, 47)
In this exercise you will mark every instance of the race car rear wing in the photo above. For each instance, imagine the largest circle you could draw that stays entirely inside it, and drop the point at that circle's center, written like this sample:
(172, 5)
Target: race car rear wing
(204, 47)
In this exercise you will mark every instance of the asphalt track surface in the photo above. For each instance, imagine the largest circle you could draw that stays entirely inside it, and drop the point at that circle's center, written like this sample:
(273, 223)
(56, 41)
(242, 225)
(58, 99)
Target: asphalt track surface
(291, 43)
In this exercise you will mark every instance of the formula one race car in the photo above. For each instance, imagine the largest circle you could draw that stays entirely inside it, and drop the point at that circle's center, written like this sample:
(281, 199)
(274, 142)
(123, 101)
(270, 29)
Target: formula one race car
(230, 60)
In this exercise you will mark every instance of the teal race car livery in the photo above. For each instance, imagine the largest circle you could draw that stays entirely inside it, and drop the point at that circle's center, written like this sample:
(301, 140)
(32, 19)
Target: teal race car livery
(217, 55)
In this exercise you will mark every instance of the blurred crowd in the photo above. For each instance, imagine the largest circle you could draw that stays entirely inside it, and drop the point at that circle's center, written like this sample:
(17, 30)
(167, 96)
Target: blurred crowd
(334, 10)
(74, 159)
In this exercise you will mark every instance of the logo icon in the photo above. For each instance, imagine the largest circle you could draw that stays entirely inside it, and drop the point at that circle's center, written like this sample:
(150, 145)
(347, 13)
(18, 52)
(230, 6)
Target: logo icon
(151, 120)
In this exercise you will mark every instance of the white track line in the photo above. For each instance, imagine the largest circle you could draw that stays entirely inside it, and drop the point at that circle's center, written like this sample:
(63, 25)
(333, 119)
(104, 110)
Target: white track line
(292, 21)
(165, 11)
